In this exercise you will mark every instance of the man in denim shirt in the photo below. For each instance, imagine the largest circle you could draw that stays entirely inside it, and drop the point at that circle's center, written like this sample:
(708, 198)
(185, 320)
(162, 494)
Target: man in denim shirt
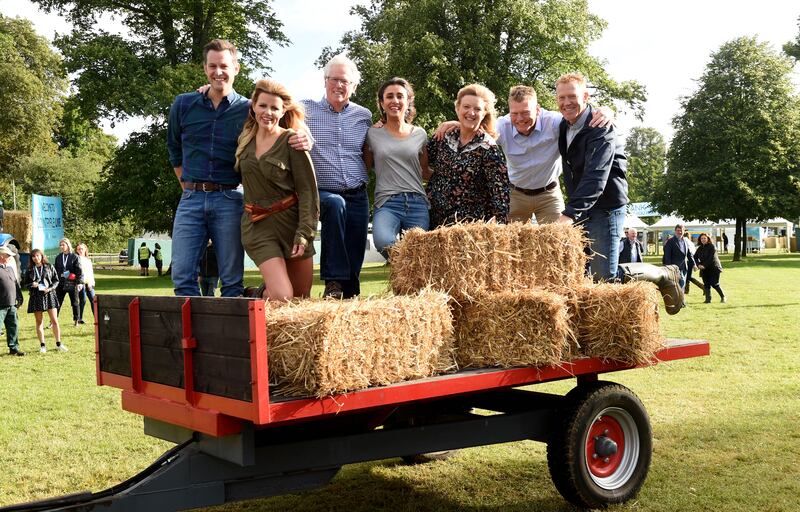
(201, 139)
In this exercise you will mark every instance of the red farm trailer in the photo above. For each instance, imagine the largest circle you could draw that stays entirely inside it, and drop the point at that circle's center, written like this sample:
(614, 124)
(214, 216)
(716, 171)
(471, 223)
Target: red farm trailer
(196, 369)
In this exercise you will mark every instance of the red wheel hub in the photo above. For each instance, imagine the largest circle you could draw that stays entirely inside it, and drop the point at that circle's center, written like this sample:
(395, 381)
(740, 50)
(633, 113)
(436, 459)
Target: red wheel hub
(605, 446)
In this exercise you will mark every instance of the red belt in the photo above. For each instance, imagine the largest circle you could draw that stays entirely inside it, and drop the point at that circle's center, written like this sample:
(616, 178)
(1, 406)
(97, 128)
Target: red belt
(258, 213)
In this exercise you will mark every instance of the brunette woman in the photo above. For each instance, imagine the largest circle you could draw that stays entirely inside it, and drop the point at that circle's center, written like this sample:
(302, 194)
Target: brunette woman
(44, 281)
(709, 265)
(397, 152)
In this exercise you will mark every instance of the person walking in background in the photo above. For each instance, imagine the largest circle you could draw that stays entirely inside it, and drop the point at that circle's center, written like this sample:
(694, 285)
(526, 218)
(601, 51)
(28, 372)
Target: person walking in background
(710, 267)
(676, 252)
(10, 301)
(398, 152)
(44, 281)
(690, 266)
(724, 243)
(469, 180)
(630, 248)
(70, 275)
(158, 257)
(144, 260)
(86, 289)
(209, 271)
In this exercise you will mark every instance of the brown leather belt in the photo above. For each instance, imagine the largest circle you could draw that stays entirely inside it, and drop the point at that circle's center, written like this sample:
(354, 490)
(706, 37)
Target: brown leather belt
(535, 191)
(258, 213)
(207, 186)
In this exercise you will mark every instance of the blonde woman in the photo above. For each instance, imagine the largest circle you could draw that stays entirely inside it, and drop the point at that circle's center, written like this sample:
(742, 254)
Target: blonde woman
(470, 179)
(86, 290)
(280, 194)
(70, 275)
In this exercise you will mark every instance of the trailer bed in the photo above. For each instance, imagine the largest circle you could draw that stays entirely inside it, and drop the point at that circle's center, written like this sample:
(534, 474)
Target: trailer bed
(201, 363)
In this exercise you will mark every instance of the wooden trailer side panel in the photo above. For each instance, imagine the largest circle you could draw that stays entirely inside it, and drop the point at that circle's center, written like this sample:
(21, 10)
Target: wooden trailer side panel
(221, 349)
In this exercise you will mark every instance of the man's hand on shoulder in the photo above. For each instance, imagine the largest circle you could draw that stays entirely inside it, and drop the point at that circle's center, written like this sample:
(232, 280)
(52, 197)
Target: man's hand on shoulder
(300, 141)
(445, 128)
(602, 117)
(203, 88)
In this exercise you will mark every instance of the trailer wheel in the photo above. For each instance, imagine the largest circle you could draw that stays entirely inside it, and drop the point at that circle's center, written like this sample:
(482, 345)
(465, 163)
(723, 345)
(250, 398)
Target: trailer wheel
(600, 446)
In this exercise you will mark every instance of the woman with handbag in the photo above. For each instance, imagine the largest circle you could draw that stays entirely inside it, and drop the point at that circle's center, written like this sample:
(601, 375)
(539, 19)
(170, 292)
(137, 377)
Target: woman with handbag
(43, 280)
(70, 275)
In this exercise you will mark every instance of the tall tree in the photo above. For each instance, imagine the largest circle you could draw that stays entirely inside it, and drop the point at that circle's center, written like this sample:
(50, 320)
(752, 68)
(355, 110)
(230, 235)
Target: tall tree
(647, 161)
(139, 70)
(736, 149)
(32, 83)
(442, 45)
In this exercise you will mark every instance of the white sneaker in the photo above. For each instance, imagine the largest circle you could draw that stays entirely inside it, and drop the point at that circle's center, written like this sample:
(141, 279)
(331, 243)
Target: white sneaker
(62, 348)
(42, 349)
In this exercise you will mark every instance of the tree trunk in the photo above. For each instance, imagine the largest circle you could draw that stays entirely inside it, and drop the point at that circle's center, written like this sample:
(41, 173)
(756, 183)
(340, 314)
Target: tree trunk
(739, 241)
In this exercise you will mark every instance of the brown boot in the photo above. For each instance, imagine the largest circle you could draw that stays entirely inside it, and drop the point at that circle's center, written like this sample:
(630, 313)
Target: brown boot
(667, 278)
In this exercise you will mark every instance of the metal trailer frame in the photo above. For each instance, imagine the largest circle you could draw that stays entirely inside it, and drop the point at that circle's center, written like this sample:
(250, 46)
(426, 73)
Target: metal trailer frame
(598, 435)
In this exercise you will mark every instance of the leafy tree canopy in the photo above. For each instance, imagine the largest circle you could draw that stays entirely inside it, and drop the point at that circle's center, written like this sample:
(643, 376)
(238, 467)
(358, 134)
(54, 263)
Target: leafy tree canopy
(32, 83)
(736, 149)
(647, 161)
(442, 45)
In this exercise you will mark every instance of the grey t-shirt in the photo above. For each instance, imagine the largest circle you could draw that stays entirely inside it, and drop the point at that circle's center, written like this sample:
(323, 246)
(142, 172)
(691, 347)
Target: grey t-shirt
(397, 167)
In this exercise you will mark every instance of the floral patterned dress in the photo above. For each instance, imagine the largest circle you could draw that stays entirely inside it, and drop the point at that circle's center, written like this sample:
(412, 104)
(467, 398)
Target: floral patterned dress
(469, 183)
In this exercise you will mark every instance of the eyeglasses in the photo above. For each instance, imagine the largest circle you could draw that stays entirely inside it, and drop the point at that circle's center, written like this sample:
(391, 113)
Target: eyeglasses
(340, 81)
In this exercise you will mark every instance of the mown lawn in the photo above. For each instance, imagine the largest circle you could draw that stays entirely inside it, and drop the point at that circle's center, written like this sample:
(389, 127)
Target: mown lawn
(726, 427)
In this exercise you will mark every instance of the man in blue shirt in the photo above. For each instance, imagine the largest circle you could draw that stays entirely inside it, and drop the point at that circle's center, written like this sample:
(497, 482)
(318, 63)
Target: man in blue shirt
(201, 139)
(339, 128)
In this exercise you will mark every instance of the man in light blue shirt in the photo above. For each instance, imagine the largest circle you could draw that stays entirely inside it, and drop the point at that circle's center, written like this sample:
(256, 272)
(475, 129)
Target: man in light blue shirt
(339, 128)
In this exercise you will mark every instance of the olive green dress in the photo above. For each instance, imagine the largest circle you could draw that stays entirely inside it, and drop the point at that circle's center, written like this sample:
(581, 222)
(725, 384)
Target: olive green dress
(278, 173)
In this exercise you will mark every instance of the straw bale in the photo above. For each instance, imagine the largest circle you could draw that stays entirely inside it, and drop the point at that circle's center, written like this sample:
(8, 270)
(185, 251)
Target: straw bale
(507, 329)
(19, 224)
(619, 321)
(471, 259)
(321, 347)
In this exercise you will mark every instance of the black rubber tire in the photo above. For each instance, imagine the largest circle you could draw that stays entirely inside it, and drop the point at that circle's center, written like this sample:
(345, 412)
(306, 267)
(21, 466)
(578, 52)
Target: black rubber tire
(566, 449)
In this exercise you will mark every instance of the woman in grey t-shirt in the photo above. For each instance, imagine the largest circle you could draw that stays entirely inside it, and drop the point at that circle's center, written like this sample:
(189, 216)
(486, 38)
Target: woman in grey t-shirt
(397, 151)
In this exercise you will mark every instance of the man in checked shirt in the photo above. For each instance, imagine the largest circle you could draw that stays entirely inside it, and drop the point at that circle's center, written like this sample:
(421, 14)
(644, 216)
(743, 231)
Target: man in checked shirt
(339, 128)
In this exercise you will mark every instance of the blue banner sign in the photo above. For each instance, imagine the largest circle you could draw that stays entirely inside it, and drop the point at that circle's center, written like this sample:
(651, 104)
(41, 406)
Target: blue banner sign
(48, 223)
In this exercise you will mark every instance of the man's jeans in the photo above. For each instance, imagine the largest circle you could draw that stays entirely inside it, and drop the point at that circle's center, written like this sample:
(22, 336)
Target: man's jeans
(400, 212)
(604, 229)
(200, 216)
(345, 218)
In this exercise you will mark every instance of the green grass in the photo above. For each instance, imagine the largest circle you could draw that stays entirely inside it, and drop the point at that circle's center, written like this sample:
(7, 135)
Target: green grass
(726, 427)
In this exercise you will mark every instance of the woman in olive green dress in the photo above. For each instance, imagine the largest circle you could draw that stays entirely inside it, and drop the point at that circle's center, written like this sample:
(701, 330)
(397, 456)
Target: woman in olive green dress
(280, 194)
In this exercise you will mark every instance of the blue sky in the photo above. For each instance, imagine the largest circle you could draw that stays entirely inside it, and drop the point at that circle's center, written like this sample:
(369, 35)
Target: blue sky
(664, 45)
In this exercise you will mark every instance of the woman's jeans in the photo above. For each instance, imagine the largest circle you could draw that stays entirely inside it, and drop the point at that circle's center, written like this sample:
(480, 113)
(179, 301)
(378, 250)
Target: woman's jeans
(86, 295)
(399, 213)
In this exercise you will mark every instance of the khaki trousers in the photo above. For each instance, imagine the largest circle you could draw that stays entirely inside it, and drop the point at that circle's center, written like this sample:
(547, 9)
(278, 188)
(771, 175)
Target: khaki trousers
(547, 206)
